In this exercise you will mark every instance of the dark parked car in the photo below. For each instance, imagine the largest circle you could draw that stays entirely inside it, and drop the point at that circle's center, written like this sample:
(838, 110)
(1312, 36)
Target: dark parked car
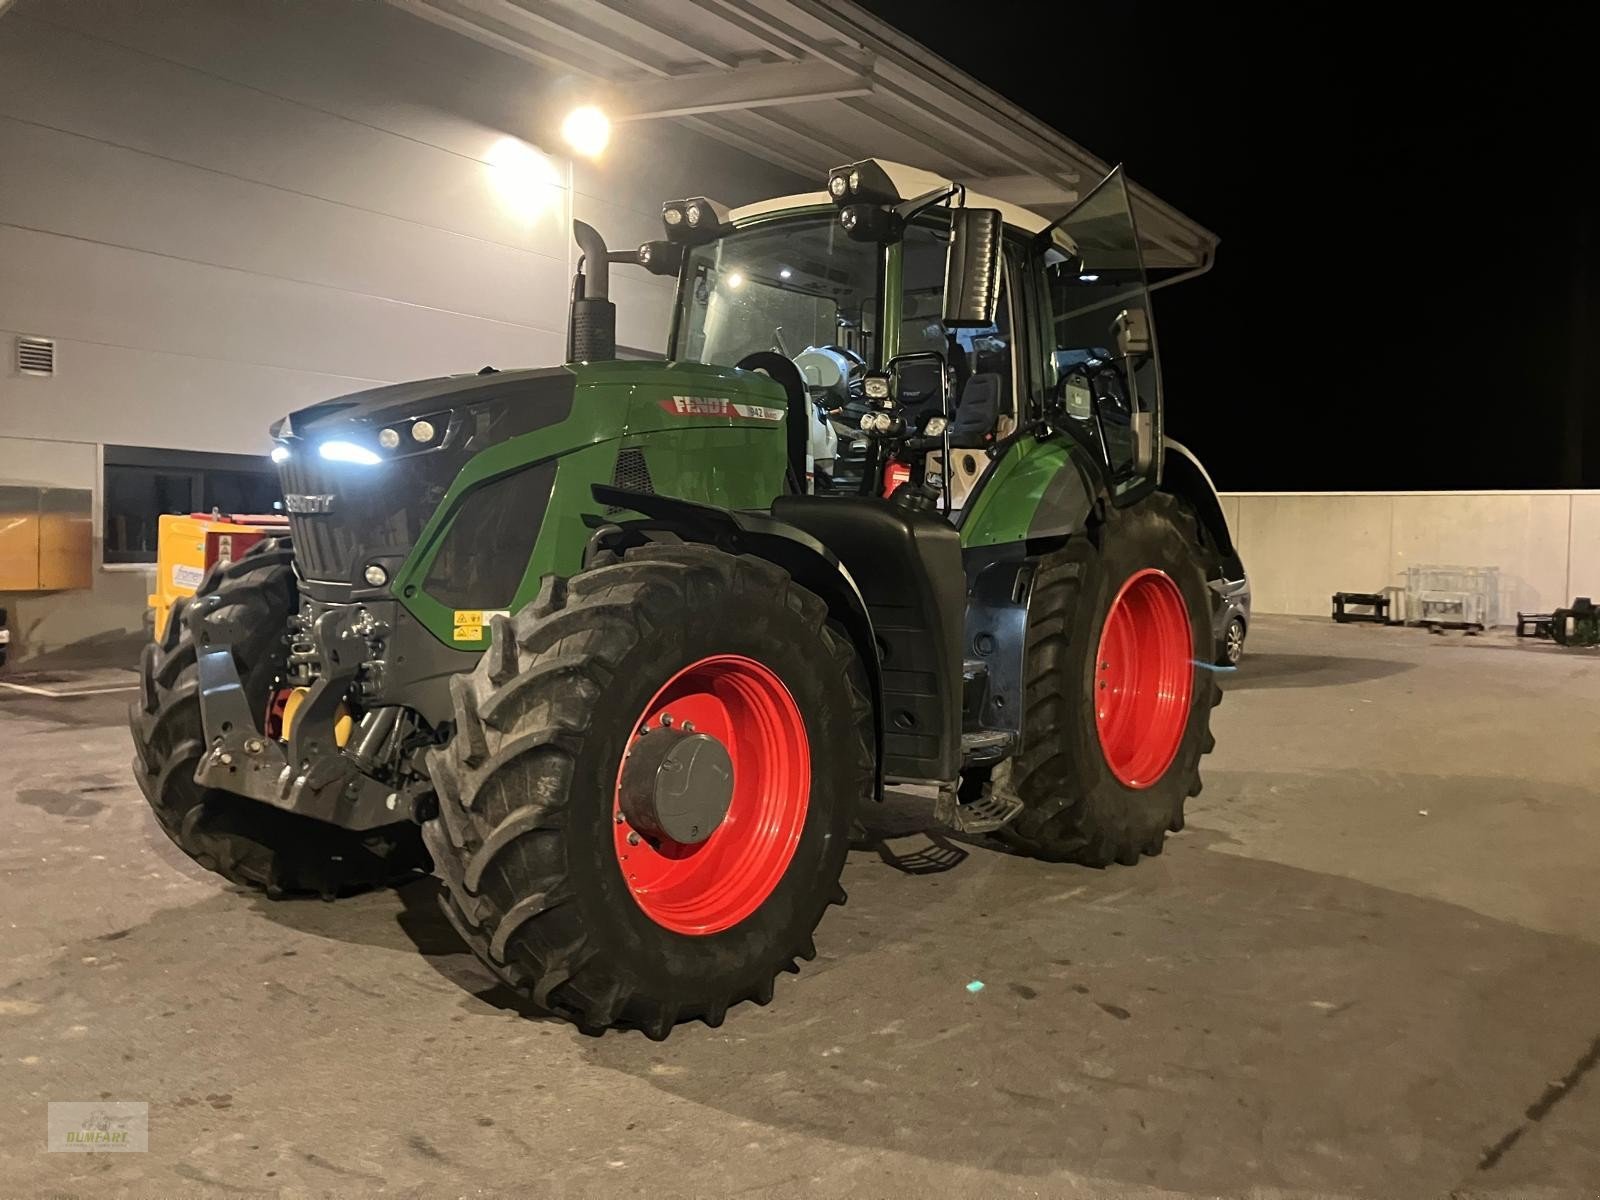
(1232, 612)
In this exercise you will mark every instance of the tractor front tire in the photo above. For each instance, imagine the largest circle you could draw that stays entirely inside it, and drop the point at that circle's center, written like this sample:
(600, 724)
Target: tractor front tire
(548, 880)
(1119, 688)
(245, 841)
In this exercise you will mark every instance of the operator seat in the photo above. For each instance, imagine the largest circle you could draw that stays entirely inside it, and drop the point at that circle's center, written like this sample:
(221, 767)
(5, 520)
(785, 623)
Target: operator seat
(977, 412)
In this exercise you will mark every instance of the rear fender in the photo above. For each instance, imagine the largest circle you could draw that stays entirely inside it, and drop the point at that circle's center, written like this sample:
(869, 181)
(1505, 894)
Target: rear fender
(808, 562)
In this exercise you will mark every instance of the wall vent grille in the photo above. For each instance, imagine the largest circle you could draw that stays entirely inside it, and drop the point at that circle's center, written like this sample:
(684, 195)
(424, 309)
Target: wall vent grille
(36, 356)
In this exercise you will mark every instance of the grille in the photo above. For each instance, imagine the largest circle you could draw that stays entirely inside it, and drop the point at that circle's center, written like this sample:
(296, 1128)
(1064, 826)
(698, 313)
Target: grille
(36, 356)
(631, 474)
(323, 543)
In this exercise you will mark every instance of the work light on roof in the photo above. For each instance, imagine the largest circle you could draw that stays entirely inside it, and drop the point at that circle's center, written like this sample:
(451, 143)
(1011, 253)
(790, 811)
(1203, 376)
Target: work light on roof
(864, 182)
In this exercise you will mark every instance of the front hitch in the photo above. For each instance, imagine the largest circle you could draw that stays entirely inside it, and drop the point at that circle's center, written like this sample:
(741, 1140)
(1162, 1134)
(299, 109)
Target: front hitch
(311, 775)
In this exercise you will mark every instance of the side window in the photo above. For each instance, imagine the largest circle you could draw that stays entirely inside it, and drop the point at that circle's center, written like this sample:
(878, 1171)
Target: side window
(1094, 278)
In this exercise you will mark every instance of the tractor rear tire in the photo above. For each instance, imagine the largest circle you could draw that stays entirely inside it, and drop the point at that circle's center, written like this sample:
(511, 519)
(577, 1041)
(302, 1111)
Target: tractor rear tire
(531, 837)
(245, 841)
(1095, 799)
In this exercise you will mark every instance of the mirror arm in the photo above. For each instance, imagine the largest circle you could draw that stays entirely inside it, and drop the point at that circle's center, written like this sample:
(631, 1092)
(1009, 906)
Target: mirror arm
(908, 209)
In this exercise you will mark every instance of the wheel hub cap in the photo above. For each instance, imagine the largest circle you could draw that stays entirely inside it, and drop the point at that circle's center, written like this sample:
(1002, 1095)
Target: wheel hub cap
(1144, 678)
(677, 785)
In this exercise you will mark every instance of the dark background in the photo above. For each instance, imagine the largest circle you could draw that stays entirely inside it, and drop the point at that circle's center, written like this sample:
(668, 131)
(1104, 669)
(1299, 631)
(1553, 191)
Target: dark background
(1403, 295)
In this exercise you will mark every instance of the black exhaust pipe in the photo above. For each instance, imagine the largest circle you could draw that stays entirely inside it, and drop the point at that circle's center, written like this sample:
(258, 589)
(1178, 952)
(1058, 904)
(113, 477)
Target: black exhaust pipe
(592, 328)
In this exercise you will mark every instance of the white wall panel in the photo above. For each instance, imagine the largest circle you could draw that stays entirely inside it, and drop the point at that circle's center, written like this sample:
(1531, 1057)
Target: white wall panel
(1583, 547)
(1299, 550)
(82, 85)
(1524, 535)
(146, 398)
(171, 209)
(49, 462)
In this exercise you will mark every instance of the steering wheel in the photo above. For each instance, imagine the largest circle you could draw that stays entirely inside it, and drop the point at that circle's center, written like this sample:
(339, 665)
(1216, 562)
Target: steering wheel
(776, 367)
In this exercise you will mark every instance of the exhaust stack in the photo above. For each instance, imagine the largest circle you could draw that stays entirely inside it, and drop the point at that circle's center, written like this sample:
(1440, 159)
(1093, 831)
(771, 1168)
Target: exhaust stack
(592, 326)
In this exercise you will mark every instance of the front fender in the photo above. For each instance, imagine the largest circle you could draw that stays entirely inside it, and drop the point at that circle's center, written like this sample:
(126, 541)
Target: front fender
(808, 562)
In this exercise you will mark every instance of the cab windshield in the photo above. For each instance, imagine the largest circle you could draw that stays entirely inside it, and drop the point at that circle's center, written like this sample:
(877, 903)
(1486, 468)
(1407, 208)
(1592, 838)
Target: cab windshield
(784, 286)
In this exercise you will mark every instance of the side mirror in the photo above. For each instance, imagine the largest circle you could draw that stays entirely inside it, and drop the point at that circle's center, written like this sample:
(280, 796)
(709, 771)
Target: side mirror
(972, 270)
(1131, 329)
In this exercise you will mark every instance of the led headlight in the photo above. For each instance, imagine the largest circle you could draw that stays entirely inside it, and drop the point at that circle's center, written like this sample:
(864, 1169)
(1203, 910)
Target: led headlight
(339, 450)
(388, 438)
(934, 427)
(847, 218)
(867, 423)
(876, 387)
(882, 422)
(375, 575)
(423, 432)
(692, 214)
(672, 216)
(280, 454)
(837, 186)
(855, 180)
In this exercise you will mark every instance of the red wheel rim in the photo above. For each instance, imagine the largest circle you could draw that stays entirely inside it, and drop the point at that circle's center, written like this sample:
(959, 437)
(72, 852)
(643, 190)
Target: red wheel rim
(712, 886)
(1144, 678)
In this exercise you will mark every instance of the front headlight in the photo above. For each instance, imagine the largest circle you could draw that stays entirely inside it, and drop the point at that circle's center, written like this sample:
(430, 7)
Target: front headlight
(935, 426)
(876, 387)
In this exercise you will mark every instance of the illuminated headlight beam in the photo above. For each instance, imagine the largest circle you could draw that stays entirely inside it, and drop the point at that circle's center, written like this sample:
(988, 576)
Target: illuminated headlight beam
(339, 450)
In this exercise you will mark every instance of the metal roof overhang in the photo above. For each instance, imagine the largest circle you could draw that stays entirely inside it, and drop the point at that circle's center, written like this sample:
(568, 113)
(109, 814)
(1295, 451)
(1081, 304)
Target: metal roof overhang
(808, 85)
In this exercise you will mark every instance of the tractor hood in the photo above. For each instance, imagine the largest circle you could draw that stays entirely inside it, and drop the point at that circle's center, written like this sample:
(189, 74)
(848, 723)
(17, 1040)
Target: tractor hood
(542, 396)
(353, 500)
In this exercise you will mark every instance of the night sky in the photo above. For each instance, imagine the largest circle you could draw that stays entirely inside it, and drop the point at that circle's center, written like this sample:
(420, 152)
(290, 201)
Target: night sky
(1405, 292)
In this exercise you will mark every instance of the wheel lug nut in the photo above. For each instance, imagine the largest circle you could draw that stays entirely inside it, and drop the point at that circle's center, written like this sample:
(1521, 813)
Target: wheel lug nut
(633, 839)
(666, 720)
(688, 726)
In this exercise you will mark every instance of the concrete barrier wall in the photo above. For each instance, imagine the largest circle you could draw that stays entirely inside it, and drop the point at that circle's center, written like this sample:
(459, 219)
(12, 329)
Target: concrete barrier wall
(1300, 548)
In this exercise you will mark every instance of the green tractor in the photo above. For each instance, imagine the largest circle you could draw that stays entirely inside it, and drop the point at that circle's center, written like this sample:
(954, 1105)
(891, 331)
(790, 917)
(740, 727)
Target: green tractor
(618, 651)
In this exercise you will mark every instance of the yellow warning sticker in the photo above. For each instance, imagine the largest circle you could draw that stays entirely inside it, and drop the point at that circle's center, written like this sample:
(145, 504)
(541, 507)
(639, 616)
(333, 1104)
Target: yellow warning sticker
(470, 622)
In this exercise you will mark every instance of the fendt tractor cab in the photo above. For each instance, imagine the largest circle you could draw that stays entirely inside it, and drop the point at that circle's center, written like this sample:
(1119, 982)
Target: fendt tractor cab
(613, 649)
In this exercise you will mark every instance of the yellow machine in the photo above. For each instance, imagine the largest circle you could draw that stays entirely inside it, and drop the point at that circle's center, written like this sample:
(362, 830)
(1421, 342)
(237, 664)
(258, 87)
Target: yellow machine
(189, 546)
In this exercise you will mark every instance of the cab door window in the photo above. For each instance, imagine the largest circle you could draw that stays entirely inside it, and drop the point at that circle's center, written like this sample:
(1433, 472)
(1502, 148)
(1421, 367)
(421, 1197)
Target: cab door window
(1107, 387)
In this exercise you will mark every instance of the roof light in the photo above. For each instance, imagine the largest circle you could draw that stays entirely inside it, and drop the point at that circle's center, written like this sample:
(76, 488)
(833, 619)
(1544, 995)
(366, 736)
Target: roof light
(340, 450)
(672, 216)
(855, 180)
(837, 186)
(587, 130)
(280, 454)
(785, 273)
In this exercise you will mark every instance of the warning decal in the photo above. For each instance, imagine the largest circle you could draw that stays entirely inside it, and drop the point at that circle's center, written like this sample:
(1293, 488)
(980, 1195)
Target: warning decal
(470, 622)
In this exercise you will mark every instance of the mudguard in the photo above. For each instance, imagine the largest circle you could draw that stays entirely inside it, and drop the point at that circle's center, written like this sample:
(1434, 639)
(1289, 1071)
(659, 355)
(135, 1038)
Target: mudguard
(808, 561)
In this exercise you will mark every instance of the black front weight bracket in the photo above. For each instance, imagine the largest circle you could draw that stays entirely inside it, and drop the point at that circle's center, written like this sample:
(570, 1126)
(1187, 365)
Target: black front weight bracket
(312, 776)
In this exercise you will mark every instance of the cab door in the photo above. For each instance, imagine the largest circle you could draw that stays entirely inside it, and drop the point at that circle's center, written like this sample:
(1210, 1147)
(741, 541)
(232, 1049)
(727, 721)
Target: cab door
(1102, 375)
